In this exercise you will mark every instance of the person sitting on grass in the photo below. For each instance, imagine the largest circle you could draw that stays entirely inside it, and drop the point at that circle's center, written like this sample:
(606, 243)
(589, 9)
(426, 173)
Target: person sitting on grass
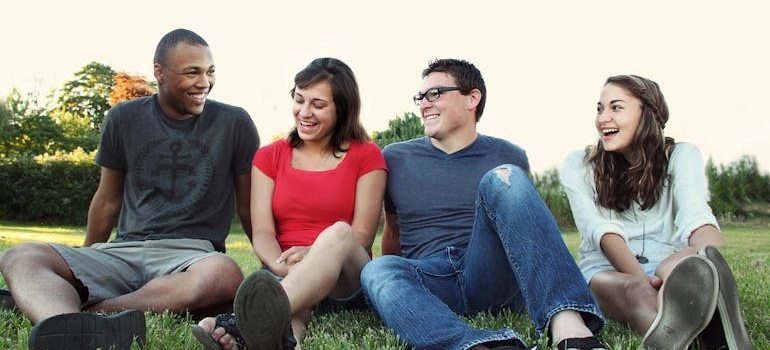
(316, 203)
(172, 167)
(467, 232)
(648, 235)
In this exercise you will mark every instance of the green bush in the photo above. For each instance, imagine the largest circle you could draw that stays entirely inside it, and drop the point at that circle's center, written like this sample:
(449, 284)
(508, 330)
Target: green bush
(735, 187)
(552, 192)
(50, 189)
(402, 128)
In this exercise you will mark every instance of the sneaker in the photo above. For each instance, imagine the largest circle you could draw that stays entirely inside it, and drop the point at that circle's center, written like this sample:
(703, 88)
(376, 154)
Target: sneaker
(262, 309)
(226, 321)
(686, 304)
(588, 343)
(713, 336)
(727, 329)
(6, 300)
(89, 331)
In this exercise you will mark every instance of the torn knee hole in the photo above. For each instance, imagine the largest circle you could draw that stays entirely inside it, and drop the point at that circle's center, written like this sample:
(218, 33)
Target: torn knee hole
(504, 174)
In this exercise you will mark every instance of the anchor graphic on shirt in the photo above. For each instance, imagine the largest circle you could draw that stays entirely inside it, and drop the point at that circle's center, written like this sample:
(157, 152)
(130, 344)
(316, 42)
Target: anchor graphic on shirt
(177, 169)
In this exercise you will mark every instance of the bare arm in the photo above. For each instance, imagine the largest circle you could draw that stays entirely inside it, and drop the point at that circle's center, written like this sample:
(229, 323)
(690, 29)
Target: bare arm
(105, 206)
(368, 207)
(706, 235)
(615, 249)
(243, 200)
(391, 235)
(263, 227)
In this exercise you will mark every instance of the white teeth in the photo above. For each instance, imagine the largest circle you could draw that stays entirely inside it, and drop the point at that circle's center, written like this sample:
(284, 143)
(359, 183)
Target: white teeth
(306, 123)
(609, 131)
(431, 117)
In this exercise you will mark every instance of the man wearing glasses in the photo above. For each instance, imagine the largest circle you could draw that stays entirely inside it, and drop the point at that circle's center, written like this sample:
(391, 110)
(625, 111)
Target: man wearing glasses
(466, 232)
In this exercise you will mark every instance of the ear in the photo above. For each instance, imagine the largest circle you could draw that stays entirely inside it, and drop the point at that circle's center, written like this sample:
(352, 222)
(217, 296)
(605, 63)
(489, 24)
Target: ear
(157, 70)
(473, 99)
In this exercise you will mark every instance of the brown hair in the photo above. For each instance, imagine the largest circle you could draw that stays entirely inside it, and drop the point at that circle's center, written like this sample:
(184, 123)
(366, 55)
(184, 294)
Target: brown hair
(347, 101)
(620, 183)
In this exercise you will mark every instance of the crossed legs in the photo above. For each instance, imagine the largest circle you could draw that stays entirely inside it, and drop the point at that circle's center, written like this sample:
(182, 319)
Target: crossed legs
(331, 268)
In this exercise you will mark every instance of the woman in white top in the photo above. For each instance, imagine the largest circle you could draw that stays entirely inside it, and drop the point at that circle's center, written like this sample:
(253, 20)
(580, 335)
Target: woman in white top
(640, 202)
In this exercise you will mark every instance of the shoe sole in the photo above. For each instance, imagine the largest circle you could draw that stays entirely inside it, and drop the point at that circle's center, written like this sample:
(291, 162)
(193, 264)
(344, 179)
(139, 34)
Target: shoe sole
(205, 338)
(89, 331)
(728, 306)
(686, 303)
(262, 311)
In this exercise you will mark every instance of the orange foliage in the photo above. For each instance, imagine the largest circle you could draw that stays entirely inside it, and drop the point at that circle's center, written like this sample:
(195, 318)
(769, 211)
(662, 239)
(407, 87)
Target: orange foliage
(129, 87)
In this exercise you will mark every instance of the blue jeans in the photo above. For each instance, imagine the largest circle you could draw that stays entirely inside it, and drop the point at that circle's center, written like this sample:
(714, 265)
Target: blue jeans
(515, 259)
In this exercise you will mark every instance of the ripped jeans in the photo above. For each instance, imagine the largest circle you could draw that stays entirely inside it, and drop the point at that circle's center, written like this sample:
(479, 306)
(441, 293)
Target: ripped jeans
(516, 259)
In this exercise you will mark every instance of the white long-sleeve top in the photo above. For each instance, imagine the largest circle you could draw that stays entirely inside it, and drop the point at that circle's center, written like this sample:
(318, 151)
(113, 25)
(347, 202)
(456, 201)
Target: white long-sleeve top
(656, 232)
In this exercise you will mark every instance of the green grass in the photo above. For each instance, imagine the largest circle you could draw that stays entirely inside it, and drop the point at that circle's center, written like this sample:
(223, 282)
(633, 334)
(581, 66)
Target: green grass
(747, 251)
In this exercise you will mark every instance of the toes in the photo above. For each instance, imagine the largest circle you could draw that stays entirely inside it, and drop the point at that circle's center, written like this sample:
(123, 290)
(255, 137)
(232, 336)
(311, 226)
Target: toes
(228, 342)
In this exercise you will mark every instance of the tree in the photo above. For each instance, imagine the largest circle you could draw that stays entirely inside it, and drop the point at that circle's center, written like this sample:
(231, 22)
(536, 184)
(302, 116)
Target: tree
(27, 128)
(403, 128)
(74, 120)
(77, 132)
(81, 106)
(87, 95)
(6, 128)
(128, 87)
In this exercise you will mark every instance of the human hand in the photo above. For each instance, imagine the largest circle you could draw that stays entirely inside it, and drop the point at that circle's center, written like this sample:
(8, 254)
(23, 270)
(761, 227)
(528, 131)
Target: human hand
(656, 282)
(293, 255)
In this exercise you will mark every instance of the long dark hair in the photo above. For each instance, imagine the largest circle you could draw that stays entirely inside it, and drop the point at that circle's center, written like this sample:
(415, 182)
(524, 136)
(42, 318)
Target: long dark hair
(347, 101)
(620, 183)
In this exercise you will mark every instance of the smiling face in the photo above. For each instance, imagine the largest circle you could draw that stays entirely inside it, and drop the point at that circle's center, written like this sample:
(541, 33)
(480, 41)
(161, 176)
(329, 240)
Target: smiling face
(314, 112)
(451, 113)
(185, 80)
(617, 117)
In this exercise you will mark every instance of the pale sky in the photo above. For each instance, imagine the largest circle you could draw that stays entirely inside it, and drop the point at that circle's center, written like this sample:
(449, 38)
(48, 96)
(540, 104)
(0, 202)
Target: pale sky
(544, 62)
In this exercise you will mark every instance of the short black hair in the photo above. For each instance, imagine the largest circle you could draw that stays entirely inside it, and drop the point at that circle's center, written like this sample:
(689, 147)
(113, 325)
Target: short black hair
(466, 75)
(172, 39)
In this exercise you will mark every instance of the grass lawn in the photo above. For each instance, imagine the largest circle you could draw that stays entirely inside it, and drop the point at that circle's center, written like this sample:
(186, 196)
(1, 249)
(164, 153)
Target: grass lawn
(747, 251)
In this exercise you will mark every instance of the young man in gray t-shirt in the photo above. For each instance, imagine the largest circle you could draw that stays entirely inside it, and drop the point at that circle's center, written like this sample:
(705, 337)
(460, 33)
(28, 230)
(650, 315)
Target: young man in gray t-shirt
(172, 167)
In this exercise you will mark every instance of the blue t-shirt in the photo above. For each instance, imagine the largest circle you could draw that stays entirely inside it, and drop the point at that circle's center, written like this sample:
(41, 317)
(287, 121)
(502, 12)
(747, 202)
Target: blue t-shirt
(179, 174)
(434, 194)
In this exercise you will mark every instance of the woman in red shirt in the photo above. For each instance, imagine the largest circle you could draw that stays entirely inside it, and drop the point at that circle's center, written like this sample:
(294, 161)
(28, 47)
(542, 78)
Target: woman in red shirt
(316, 200)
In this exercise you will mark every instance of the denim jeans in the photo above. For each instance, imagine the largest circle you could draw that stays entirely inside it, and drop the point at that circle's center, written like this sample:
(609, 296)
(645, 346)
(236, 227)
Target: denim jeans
(515, 259)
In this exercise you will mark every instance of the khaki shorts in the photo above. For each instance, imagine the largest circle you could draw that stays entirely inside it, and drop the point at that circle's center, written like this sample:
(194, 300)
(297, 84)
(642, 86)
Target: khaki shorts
(110, 270)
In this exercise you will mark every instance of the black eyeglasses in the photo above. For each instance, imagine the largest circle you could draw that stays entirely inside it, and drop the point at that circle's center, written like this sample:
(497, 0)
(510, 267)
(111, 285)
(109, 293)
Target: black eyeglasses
(433, 94)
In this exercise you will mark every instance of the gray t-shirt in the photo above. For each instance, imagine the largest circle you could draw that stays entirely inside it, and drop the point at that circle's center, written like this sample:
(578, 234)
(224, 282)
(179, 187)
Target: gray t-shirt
(434, 193)
(179, 174)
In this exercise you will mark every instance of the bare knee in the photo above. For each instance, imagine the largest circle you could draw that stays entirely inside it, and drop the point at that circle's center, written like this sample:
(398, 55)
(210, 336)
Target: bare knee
(28, 255)
(214, 280)
(340, 234)
(504, 174)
